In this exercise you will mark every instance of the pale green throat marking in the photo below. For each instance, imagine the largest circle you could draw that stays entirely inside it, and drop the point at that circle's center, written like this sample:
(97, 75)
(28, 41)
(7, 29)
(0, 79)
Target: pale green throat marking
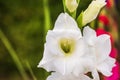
(67, 45)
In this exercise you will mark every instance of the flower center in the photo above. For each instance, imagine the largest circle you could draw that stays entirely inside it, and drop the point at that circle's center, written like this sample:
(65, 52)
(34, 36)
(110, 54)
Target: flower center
(67, 45)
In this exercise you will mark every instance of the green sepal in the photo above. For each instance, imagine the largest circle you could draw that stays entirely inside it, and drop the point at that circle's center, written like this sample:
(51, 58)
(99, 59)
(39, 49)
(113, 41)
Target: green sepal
(79, 20)
(73, 14)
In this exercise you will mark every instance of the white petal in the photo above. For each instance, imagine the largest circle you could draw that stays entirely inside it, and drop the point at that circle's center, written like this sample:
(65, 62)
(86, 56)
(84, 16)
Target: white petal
(106, 66)
(80, 48)
(71, 66)
(103, 47)
(89, 35)
(95, 74)
(92, 11)
(46, 61)
(58, 76)
(84, 65)
(52, 42)
(60, 65)
(65, 22)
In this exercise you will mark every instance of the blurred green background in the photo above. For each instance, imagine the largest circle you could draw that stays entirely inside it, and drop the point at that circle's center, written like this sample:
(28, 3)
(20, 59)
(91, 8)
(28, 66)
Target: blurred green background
(23, 26)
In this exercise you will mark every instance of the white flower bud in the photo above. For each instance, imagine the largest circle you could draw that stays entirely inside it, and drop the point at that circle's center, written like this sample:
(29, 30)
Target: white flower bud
(71, 5)
(92, 11)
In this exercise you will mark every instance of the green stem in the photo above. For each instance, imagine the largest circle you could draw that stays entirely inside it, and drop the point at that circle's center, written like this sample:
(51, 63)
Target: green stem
(78, 1)
(46, 16)
(13, 55)
(64, 7)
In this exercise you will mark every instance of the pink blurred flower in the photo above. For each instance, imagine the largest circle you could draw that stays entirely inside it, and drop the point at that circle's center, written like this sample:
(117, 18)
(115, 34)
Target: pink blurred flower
(113, 52)
(103, 19)
(109, 3)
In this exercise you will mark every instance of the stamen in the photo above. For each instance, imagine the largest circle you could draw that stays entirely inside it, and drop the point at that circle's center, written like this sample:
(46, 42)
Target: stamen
(67, 45)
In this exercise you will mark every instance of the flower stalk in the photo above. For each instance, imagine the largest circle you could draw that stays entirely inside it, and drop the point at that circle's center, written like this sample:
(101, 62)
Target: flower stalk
(47, 20)
(13, 54)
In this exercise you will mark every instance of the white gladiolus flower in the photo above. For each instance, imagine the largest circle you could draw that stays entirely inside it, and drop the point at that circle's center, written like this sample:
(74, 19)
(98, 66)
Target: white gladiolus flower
(99, 48)
(64, 48)
(58, 76)
(71, 5)
(92, 11)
